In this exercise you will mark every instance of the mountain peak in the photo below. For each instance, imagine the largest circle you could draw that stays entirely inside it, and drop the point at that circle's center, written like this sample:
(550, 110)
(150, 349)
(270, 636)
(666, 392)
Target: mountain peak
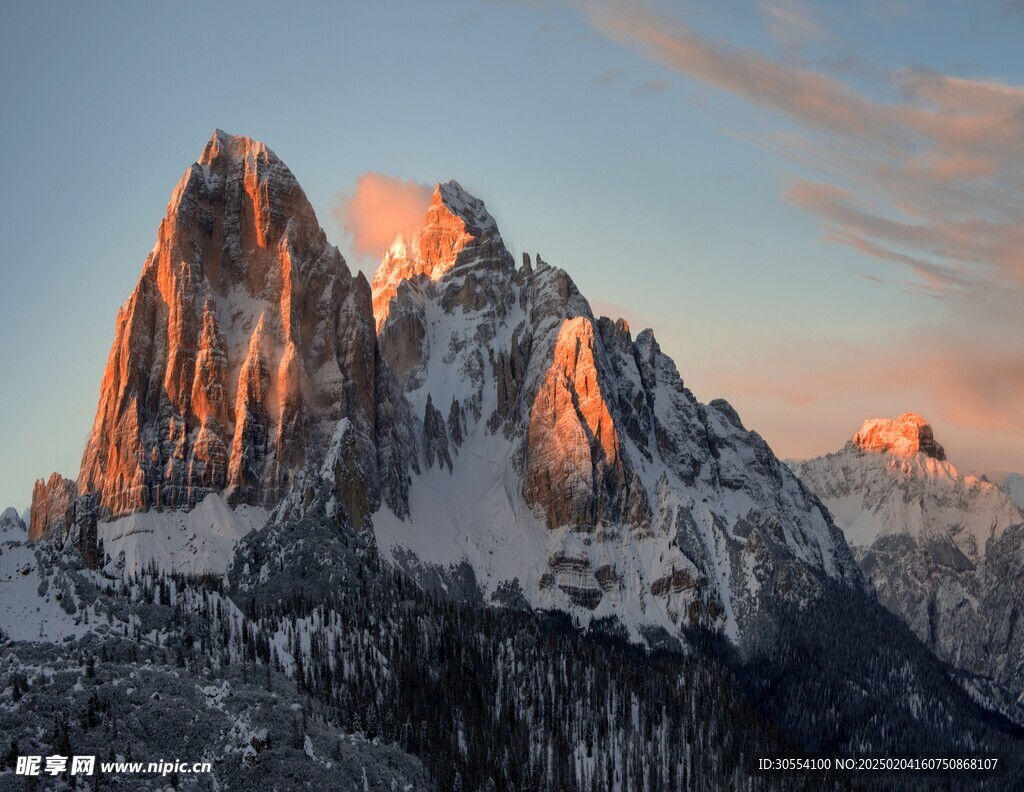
(454, 197)
(10, 519)
(244, 343)
(458, 232)
(906, 435)
(235, 147)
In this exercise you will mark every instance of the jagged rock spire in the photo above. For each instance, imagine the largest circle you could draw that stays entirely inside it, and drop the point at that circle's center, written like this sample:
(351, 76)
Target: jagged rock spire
(244, 343)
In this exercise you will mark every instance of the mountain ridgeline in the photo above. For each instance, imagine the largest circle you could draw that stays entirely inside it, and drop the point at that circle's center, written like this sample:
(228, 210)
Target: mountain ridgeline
(491, 422)
(498, 531)
(943, 549)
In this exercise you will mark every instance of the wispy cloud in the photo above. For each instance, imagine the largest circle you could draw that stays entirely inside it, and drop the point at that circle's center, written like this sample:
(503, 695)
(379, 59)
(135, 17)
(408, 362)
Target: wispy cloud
(378, 209)
(931, 175)
(967, 384)
(792, 23)
(923, 172)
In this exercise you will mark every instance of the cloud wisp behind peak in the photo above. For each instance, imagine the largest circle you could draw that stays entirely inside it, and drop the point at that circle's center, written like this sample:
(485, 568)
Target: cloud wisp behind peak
(378, 209)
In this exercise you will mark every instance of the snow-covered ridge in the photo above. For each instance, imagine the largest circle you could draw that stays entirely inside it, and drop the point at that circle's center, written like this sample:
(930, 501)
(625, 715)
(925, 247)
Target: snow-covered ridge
(564, 463)
(942, 548)
(1013, 486)
(915, 494)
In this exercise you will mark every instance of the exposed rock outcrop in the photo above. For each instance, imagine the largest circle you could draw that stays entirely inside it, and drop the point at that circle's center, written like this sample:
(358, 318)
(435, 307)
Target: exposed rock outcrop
(904, 436)
(458, 230)
(576, 473)
(245, 342)
(50, 500)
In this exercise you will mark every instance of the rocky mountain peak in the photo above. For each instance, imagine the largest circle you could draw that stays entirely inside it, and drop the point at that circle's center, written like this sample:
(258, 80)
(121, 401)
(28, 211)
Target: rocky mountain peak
(458, 233)
(237, 147)
(564, 460)
(936, 543)
(906, 435)
(50, 500)
(10, 520)
(244, 343)
(453, 197)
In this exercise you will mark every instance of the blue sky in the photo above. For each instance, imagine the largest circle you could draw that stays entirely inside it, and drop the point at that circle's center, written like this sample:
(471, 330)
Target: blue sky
(779, 188)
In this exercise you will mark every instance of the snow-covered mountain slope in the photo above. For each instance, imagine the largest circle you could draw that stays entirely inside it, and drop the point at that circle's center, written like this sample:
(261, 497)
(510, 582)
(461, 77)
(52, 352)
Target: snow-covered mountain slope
(564, 461)
(12, 526)
(943, 549)
(36, 604)
(192, 542)
(1013, 486)
(153, 666)
(875, 488)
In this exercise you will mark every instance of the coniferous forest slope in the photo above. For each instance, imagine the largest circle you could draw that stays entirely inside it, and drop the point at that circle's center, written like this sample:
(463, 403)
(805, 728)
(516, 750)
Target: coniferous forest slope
(448, 530)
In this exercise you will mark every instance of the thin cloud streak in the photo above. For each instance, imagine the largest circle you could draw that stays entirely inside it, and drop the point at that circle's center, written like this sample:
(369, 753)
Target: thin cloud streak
(925, 174)
(792, 22)
(947, 154)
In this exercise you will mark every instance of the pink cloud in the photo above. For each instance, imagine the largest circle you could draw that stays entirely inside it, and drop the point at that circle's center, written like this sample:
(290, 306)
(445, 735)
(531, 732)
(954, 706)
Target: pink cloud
(813, 98)
(924, 173)
(938, 169)
(967, 386)
(380, 208)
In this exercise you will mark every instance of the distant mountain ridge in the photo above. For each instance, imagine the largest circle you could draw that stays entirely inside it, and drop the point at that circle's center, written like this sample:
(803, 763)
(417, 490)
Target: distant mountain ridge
(944, 550)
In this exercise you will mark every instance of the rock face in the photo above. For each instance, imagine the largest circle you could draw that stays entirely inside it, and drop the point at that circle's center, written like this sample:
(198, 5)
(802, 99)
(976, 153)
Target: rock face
(565, 460)
(64, 518)
(244, 343)
(576, 472)
(50, 500)
(904, 436)
(943, 549)
(458, 230)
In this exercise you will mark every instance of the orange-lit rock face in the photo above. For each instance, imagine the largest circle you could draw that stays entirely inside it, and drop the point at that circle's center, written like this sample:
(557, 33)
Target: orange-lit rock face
(457, 229)
(244, 343)
(575, 473)
(904, 436)
(50, 500)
